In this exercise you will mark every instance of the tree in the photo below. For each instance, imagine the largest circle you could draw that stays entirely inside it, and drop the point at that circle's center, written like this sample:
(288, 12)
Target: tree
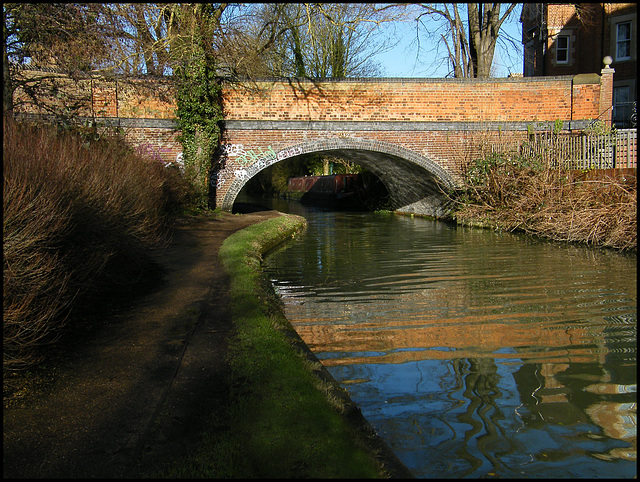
(70, 37)
(272, 45)
(198, 92)
(140, 47)
(134, 39)
(470, 48)
(315, 40)
(153, 38)
(337, 41)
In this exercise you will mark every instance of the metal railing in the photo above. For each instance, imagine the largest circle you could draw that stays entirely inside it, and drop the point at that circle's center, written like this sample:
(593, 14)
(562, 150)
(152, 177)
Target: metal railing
(585, 151)
(624, 115)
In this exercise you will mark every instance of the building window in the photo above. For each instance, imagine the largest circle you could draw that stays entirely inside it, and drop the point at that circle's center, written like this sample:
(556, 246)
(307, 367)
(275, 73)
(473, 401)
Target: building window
(623, 41)
(562, 49)
(622, 106)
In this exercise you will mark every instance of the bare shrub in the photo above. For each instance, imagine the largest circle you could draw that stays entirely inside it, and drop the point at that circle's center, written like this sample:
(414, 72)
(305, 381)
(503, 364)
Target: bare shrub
(518, 193)
(78, 217)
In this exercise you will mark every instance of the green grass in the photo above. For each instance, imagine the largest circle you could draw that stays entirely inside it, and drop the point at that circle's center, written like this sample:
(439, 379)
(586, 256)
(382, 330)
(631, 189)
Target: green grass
(280, 420)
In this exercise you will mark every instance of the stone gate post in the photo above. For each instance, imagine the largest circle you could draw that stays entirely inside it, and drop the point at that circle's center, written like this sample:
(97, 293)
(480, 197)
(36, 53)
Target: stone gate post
(606, 90)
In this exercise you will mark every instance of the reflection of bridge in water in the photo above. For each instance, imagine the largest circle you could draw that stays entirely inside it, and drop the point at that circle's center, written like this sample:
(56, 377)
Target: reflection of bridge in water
(480, 341)
(433, 337)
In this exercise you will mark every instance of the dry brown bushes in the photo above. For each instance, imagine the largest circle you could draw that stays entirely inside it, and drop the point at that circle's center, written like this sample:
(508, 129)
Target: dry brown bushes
(513, 193)
(79, 218)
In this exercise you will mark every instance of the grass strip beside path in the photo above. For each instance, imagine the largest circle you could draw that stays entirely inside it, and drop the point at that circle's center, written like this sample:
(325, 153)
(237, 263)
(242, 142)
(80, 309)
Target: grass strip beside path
(282, 420)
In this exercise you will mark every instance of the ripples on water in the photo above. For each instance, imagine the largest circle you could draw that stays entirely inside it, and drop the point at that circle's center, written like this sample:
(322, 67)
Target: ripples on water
(473, 353)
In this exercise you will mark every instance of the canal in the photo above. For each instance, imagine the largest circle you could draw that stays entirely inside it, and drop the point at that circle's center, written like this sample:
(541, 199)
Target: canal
(473, 353)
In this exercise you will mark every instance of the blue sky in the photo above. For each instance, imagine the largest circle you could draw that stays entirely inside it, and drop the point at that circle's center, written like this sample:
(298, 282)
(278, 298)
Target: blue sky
(400, 60)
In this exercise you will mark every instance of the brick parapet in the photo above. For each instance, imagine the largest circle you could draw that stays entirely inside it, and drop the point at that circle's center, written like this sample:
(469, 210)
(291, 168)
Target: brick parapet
(442, 101)
(438, 100)
(531, 99)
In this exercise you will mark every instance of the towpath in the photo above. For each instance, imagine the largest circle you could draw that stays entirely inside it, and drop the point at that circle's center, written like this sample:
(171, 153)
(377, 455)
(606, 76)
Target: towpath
(136, 390)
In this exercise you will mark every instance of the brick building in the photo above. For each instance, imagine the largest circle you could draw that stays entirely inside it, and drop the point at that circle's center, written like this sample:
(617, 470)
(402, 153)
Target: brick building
(571, 39)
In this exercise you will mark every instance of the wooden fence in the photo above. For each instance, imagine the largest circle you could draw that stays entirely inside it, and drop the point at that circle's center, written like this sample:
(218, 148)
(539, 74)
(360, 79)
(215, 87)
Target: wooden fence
(618, 150)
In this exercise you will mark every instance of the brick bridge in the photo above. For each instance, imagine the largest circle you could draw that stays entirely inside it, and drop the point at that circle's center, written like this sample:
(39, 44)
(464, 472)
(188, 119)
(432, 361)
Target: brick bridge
(413, 134)
(416, 135)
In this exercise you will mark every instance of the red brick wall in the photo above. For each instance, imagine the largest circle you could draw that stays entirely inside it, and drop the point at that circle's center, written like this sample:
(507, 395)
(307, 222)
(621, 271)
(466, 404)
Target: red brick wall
(626, 69)
(495, 100)
(585, 29)
(146, 99)
(100, 97)
(590, 29)
(156, 143)
(104, 99)
(606, 96)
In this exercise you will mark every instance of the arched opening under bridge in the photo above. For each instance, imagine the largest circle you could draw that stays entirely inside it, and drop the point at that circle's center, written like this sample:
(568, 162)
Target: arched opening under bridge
(415, 184)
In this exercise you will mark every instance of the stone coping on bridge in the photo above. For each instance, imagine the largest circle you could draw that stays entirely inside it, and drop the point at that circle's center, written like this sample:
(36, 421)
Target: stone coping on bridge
(400, 125)
(107, 121)
(321, 125)
(427, 80)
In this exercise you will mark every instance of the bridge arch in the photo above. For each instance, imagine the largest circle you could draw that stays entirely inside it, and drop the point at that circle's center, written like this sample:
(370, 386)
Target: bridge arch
(414, 182)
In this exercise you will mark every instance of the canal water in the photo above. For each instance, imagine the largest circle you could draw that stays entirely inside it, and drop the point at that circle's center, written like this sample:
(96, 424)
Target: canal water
(473, 353)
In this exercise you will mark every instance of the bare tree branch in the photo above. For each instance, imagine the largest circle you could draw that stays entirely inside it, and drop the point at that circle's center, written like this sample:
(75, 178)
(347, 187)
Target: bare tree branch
(471, 49)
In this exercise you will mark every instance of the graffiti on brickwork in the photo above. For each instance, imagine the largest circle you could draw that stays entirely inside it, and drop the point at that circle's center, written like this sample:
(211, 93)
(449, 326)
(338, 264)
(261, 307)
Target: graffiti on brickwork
(252, 161)
(244, 157)
(292, 151)
(221, 178)
(232, 150)
(153, 152)
(179, 162)
(252, 156)
(240, 174)
(226, 175)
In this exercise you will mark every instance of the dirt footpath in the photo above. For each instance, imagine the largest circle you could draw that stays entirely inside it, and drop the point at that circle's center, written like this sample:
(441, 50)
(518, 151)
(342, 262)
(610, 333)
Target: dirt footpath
(138, 387)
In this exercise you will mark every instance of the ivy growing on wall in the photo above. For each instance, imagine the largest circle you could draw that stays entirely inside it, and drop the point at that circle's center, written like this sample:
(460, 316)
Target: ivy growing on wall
(199, 111)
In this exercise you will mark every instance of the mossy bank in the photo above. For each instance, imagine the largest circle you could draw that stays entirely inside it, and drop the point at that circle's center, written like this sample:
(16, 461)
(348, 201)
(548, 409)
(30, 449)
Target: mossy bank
(286, 416)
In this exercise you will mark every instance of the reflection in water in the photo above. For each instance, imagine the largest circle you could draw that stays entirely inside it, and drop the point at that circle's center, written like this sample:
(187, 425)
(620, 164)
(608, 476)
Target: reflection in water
(473, 353)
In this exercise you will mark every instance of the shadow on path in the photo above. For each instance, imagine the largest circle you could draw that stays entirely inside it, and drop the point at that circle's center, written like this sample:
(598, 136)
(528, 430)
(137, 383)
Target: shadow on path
(134, 390)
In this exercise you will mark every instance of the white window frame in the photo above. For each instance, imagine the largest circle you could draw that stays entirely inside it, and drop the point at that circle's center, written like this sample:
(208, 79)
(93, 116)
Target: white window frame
(567, 50)
(626, 40)
(613, 37)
